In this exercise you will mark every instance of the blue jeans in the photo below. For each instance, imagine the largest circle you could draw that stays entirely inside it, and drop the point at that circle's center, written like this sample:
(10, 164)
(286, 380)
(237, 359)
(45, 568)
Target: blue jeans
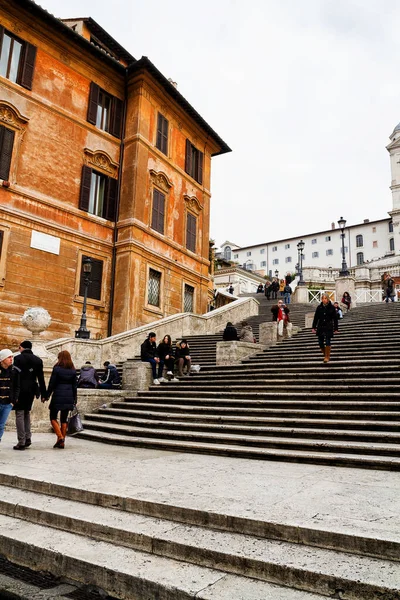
(5, 410)
(105, 386)
(154, 367)
(389, 297)
(324, 340)
(286, 298)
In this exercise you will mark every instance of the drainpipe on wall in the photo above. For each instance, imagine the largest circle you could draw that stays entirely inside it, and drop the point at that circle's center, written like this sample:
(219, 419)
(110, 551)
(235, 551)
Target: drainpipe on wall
(115, 235)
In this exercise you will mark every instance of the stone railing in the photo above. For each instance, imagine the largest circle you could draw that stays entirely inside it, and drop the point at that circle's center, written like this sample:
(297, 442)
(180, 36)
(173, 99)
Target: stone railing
(122, 346)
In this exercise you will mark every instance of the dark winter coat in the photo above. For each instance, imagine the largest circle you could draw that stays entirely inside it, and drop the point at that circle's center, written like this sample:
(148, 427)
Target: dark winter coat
(287, 289)
(9, 385)
(88, 377)
(63, 386)
(181, 352)
(164, 350)
(147, 350)
(230, 334)
(111, 375)
(325, 319)
(32, 379)
(275, 312)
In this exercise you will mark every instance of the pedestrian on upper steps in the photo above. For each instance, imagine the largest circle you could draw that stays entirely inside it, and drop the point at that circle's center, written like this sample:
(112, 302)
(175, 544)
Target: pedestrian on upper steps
(246, 333)
(166, 355)
(280, 314)
(281, 288)
(230, 333)
(325, 325)
(390, 289)
(260, 289)
(182, 357)
(268, 290)
(287, 291)
(274, 289)
(346, 300)
(63, 391)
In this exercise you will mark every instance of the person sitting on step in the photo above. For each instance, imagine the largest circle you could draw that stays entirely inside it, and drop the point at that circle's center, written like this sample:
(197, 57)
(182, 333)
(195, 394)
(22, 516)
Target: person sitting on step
(338, 310)
(111, 379)
(325, 324)
(182, 357)
(280, 314)
(230, 333)
(148, 354)
(166, 355)
(246, 333)
(88, 377)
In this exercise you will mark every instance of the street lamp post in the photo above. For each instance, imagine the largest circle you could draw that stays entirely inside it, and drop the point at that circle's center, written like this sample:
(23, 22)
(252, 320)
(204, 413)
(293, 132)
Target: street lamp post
(300, 248)
(344, 272)
(83, 332)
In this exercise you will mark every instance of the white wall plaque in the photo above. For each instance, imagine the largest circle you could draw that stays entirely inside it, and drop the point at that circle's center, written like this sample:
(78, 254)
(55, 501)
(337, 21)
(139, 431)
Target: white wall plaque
(47, 243)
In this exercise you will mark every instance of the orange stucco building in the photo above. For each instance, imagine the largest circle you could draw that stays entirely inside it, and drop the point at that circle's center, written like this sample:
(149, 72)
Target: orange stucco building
(100, 157)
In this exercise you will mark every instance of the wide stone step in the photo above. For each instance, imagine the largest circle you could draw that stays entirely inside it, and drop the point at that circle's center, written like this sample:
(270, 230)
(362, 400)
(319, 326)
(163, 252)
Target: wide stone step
(262, 384)
(235, 424)
(185, 550)
(214, 397)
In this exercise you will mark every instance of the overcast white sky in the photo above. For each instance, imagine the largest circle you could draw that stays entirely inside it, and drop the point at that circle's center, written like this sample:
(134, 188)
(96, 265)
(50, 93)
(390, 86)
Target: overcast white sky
(305, 92)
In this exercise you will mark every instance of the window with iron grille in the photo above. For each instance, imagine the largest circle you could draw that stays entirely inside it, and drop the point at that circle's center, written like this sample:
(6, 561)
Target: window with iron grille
(157, 219)
(17, 59)
(162, 134)
(95, 280)
(188, 301)
(154, 288)
(191, 226)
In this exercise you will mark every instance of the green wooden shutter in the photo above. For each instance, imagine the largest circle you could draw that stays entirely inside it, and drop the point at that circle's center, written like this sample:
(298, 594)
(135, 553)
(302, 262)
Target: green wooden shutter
(188, 158)
(110, 209)
(28, 66)
(200, 167)
(86, 181)
(93, 103)
(6, 148)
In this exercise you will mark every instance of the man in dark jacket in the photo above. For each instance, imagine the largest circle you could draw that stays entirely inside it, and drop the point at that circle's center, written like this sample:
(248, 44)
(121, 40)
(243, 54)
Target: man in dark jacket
(32, 384)
(88, 377)
(111, 378)
(325, 324)
(9, 386)
(148, 354)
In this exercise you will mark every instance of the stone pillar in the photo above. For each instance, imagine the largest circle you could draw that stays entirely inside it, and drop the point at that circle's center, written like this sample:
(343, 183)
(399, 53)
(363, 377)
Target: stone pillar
(268, 335)
(136, 375)
(232, 353)
(309, 319)
(346, 284)
(301, 294)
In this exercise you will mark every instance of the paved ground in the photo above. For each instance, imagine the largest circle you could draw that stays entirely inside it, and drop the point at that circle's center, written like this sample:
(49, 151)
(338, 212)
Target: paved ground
(338, 499)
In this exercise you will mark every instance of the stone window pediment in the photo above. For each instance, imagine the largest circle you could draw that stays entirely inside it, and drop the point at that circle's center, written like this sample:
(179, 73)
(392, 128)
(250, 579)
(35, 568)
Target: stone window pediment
(101, 161)
(193, 204)
(160, 179)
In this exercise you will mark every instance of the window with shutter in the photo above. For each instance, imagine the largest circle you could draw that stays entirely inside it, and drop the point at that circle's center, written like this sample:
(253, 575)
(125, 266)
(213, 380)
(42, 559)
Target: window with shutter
(99, 194)
(17, 59)
(157, 218)
(105, 111)
(194, 162)
(191, 226)
(6, 148)
(162, 134)
(96, 276)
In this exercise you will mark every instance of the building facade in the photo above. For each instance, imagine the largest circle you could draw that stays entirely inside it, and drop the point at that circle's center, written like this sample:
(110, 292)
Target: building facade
(364, 242)
(100, 157)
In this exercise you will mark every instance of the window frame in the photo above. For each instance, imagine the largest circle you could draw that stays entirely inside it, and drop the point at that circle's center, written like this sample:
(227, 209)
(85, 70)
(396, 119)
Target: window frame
(26, 60)
(110, 204)
(154, 307)
(193, 287)
(288, 259)
(360, 262)
(315, 255)
(275, 261)
(328, 238)
(116, 110)
(359, 241)
(97, 256)
(391, 244)
(7, 143)
(314, 241)
(329, 252)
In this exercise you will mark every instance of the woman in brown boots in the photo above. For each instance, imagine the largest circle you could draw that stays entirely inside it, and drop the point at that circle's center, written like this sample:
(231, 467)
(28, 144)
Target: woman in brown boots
(325, 324)
(63, 386)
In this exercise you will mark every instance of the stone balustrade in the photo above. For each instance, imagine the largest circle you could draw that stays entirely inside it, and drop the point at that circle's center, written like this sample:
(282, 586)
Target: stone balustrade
(232, 353)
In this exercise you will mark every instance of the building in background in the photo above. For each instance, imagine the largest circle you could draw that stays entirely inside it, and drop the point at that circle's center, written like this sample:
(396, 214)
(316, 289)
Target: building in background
(100, 157)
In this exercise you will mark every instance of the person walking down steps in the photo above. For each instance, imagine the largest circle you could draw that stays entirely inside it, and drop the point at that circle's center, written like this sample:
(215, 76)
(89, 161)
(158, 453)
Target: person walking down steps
(325, 325)
(9, 386)
(63, 389)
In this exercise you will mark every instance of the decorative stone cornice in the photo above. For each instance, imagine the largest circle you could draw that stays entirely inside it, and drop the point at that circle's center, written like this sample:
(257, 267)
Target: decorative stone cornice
(160, 180)
(100, 160)
(10, 116)
(193, 204)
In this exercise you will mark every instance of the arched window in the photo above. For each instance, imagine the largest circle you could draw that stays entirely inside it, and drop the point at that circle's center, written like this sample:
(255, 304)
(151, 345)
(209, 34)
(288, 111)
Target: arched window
(228, 253)
(360, 258)
(391, 244)
(359, 241)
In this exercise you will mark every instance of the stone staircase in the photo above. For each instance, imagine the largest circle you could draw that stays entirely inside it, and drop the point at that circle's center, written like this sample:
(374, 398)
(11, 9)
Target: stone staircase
(281, 404)
(134, 548)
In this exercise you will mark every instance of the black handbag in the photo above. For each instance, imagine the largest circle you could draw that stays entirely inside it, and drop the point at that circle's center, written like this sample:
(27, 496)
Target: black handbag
(74, 422)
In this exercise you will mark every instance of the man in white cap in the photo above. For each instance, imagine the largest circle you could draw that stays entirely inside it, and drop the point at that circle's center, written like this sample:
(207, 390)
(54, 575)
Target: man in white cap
(9, 386)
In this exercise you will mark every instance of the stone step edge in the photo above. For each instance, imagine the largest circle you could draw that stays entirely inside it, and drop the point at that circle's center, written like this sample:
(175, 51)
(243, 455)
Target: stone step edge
(239, 527)
(254, 441)
(323, 458)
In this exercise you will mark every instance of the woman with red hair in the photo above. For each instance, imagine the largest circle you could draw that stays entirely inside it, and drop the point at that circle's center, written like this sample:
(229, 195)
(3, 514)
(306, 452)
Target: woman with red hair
(63, 388)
